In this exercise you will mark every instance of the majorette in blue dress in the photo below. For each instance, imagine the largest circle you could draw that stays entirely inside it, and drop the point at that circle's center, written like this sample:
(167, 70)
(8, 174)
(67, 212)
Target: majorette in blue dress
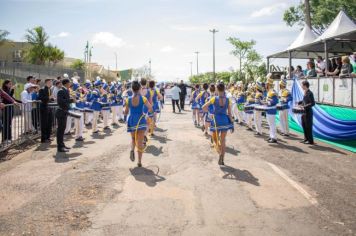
(195, 105)
(221, 120)
(155, 103)
(136, 114)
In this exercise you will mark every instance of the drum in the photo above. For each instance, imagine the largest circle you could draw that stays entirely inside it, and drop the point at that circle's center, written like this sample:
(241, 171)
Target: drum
(281, 107)
(249, 107)
(79, 109)
(74, 115)
(261, 108)
(103, 105)
(298, 110)
(88, 110)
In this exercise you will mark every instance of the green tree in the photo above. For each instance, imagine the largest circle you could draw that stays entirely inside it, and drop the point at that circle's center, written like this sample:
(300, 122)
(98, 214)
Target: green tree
(322, 13)
(54, 54)
(78, 65)
(38, 52)
(3, 36)
(241, 49)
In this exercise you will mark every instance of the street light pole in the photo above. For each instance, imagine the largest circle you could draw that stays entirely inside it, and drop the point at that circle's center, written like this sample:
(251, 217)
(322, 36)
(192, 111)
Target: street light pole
(214, 31)
(197, 62)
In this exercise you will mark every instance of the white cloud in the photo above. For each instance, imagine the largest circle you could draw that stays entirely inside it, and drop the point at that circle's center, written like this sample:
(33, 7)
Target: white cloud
(108, 39)
(270, 10)
(167, 49)
(62, 35)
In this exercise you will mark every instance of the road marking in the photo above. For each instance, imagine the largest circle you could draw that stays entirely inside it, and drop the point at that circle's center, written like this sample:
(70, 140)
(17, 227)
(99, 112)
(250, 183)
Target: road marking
(294, 184)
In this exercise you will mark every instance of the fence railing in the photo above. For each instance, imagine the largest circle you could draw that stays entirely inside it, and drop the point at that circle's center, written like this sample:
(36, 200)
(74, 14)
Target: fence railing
(21, 123)
(331, 90)
(21, 70)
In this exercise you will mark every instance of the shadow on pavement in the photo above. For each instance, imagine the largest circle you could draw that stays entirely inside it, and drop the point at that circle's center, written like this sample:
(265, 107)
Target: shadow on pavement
(232, 151)
(82, 144)
(160, 130)
(154, 150)
(161, 139)
(239, 175)
(61, 157)
(147, 176)
(288, 147)
(326, 149)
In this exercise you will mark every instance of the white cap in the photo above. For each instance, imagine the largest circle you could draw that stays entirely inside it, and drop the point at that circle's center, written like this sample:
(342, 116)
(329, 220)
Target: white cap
(65, 76)
(29, 85)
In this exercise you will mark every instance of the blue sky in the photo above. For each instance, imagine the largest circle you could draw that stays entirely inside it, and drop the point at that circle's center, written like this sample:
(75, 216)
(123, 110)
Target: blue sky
(167, 31)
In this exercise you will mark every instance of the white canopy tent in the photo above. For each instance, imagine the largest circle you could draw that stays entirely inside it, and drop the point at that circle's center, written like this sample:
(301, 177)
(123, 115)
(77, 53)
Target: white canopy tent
(338, 39)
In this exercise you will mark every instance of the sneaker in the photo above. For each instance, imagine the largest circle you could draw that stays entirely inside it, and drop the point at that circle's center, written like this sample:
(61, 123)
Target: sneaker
(139, 165)
(80, 139)
(272, 141)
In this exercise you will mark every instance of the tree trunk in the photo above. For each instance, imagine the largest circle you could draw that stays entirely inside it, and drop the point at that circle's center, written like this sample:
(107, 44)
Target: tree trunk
(307, 13)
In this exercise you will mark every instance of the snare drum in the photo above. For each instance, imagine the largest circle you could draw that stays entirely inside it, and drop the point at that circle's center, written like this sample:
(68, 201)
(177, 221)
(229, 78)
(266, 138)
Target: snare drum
(74, 115)
(298, 110)
(104, 105)
(281, 107)
(249, 107)
(261, 108)
(52, 105)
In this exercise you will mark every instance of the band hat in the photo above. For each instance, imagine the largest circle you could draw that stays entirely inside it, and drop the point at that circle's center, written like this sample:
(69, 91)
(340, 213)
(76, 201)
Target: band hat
(283, 81)
(259, 85)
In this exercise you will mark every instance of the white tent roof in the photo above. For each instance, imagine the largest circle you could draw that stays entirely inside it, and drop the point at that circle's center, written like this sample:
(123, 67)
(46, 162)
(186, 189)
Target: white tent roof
(306, 36)
(342, 24)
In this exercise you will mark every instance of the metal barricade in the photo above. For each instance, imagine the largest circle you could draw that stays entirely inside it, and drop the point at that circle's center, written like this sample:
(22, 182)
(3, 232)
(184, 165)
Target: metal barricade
(21, 123)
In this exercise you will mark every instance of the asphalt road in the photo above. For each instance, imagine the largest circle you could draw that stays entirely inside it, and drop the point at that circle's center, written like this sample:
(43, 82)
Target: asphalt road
(279, 189)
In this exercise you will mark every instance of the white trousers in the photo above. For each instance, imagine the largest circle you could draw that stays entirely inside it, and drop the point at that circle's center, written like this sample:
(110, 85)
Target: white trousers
(271, 119)
(257, 115)
(240, 115)
(249, 118)
(28, 121)
(283, 118)
(69, 124)
(79, 125)
(121, 113)
(88, 117)
(105, 114)
(95, 120)
(115, 114)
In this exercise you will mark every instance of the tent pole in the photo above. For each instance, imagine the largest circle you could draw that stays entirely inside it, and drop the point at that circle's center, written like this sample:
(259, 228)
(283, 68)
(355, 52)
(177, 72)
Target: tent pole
(326, 57)
(290, 64)
(268, 65)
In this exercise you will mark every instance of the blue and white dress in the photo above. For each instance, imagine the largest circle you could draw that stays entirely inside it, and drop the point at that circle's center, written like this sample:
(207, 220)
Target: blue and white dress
(221, 120)
(195, 105)
(136, 114)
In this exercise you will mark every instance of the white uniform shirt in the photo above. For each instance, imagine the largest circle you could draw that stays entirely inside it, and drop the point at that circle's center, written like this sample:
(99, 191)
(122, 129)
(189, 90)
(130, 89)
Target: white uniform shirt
(26, 99)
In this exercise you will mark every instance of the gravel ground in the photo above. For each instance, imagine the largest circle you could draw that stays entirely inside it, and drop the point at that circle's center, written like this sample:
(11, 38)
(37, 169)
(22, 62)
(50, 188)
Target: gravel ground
(97, 190)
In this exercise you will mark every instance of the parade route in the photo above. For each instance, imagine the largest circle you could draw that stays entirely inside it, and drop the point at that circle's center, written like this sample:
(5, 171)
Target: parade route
(287, 188)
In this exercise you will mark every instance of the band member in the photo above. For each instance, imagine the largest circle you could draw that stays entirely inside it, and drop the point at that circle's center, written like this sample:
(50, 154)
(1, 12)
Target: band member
(201, 100)
(240, 101)
(156, 97)
(250, 100)
(46, 115)
(105, 110)
(136, 123)
(146, 93)
(88, 117)
(120, 99)
(307, 118)
(95, 105)
(258, 114)
(114, 103)
(195, 105)
(210, 112)
(285, 97)
(64, 101)
(79, 108)
(221, 121)
(271, 102)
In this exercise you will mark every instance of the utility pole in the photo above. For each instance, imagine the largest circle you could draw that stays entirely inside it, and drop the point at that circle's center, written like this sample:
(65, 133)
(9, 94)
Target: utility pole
(191, 69)
(197, 62)
(214, 31)
(307, 13)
